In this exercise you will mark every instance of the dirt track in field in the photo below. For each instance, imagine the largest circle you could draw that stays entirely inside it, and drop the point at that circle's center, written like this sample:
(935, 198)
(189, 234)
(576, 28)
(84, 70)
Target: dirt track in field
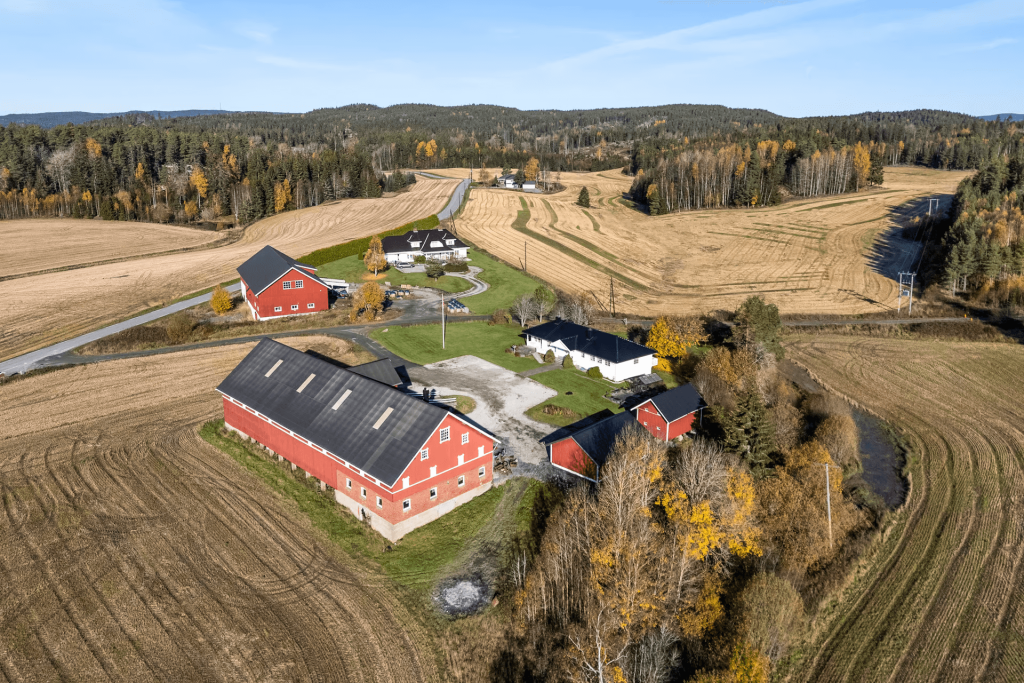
(132, 550)
(943, 597)
(42, 309)
(809, 256)
(47, 243)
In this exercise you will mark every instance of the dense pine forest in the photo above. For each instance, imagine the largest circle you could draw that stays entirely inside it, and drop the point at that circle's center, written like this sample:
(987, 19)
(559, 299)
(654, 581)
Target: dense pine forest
(239, 167)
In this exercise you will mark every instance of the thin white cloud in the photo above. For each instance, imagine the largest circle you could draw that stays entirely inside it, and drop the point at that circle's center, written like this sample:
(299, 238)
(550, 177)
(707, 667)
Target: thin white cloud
(288, 63)
(990, 45)
(261, 33)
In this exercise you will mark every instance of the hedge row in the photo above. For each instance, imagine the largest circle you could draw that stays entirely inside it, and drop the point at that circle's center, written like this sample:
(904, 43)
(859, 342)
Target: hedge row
(339, 251)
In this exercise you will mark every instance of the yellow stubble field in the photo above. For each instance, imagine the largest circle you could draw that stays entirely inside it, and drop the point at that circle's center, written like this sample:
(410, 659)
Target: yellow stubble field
(808, 256)
(46, 308)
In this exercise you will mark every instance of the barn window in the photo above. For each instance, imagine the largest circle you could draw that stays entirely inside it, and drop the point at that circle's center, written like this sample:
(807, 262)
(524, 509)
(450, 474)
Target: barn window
(348, 392)
(433, 471)
(298, 284)
(380, 502)
(287, 284)
(348, 484)
(380, 420)
(277, 309)
(424, 454)
(481, 472)
(465, 437)
(310, 305)
(271, 370)
(635, 361)
(362, 492)
(406, 505)
(445, 434)
(295, 307)
(461, 459)
(433, 494)
(462, 481)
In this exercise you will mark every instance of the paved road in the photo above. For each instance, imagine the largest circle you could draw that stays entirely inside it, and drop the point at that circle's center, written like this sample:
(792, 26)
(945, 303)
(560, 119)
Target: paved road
(456, 200)
(35, 359)
(479, 286)
(817, 323)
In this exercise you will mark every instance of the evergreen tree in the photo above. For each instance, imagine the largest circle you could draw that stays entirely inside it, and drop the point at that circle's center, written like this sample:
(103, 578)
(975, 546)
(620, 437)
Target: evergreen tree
(584, 198)
(520, 177)
(876, 176)
(758, 322)
(751, 434)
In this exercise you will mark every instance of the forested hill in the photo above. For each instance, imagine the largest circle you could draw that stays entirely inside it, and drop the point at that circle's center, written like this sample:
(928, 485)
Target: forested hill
(50, 119)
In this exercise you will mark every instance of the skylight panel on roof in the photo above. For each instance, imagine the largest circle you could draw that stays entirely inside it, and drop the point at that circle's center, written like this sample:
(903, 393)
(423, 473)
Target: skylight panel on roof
(348, 392)
(305, 384)
(271, 370)
(383, 417)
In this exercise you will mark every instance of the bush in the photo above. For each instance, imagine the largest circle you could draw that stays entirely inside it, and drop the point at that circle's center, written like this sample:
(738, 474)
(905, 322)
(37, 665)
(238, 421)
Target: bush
(179, 328)
(549, 357)
(434, 270)
(567, 362)
(456, 266)
(220, 301)
(500, 317)
(419, 259)
(595, 372)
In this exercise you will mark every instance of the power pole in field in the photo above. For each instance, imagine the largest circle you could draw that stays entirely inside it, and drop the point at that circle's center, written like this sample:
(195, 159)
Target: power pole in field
(828, 502)
(906, 290)
(611, 296)
(525, 270)
(442, 320)
(936, 201)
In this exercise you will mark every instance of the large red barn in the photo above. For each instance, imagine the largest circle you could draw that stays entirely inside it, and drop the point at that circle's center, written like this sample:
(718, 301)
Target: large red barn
(668, 415)
(277, 285)
(392, 458)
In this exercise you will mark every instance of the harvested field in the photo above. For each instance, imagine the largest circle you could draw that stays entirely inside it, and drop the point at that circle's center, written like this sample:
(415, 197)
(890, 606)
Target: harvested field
(132, 550)
(942, 596)
(810, 256)
(43, 309)
(36, 244)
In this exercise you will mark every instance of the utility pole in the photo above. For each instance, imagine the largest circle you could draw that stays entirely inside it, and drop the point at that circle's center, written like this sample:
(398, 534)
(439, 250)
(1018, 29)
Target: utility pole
(525, 269)
(828, 502)
(936, 201)
(442, 320)
(906, 290)
(611, 296)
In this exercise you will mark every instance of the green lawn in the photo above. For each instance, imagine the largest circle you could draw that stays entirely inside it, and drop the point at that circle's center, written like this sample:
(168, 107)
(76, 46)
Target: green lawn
(506, 284)
(414, 561)
(351, 269)
(421, 344)
(586, 399)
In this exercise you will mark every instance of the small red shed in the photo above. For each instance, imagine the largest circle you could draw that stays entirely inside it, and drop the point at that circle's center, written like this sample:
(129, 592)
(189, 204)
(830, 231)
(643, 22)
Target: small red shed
(392, 458)
(584, 452)
(277, 285)
(670, 414)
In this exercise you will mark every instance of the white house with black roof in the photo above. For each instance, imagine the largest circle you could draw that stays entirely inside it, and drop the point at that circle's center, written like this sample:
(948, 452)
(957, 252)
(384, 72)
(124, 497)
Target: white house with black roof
(618, 359)
(438, 245)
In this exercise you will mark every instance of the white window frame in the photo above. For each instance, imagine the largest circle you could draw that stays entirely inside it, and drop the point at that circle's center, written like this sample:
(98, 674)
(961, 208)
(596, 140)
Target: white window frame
(298, 284)
(277, 309)
(348, 484)
(465, 437)
(482, 472)
(310, 305)
(433, 493)
(446, 434)
(406, 505)
(425, 454)
(295, 307)
(287, 284)
(380, 503)
(363, 492)
(462, 480)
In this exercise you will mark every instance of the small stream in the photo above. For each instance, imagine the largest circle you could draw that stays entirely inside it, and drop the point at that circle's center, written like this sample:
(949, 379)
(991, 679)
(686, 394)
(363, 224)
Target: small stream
(880, 457)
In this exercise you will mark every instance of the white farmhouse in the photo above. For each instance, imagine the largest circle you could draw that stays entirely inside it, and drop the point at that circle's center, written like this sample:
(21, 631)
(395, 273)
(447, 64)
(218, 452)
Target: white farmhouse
(436, 245)
(618, 359)
(507, 181)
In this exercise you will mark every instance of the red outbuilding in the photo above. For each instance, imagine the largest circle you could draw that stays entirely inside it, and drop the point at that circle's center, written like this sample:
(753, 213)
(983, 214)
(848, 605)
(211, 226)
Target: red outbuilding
(392, 458)
(584, 452)
(277, 285)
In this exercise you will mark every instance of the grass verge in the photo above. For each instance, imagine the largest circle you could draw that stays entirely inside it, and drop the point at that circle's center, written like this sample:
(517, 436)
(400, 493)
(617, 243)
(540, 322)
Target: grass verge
(421, 344)
(506, 284)
(339, 251)
(586, 397)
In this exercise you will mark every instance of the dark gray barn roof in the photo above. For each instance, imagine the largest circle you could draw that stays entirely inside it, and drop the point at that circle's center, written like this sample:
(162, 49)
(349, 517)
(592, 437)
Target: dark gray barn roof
(267, 266)
(597, 439)
(676, 403)
(325, 413)
(603, 345)
(380, 370)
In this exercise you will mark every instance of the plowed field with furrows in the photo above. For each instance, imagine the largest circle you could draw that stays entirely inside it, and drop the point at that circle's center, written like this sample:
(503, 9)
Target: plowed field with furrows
(808, 256)
(46, 308)
(132, 550)
(943, 598)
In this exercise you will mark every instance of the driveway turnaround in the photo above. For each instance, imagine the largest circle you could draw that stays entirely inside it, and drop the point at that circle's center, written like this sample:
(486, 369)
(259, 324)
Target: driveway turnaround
(502, 397)
(28, 361)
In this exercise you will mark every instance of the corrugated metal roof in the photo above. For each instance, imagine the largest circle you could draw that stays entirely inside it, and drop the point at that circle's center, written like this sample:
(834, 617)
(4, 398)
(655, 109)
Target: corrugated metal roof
(320, 415)
(603, 345)
(676, 403)
(268, 266)
(381, 370)
(597, 439)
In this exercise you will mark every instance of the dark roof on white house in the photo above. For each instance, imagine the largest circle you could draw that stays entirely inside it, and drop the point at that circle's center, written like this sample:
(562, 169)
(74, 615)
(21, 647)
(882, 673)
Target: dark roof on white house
(373, 426)
(268, 266)
(380, 370)
(403, 243)
(597, 439)
(679, 402)
(587, 340)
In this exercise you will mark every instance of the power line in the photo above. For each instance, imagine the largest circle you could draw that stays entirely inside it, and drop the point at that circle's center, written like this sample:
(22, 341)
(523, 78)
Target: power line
(906, 290)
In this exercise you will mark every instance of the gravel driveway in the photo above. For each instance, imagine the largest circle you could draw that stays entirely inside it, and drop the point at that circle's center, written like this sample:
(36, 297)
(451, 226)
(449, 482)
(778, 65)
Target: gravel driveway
(501, 398)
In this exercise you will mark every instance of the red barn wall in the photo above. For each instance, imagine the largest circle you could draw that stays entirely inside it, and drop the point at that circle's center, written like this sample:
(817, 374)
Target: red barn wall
(568, 454)
(649, 417)
(311, 292)
(681, 426)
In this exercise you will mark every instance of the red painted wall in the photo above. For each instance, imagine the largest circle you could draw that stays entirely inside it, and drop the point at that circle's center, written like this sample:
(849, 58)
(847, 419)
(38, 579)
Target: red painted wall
(568, 454)
(312, 292)
(681, 426)
(323, 467)
(648, 416)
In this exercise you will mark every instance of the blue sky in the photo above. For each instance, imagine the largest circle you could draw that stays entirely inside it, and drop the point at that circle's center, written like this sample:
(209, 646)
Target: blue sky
(798, 58)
